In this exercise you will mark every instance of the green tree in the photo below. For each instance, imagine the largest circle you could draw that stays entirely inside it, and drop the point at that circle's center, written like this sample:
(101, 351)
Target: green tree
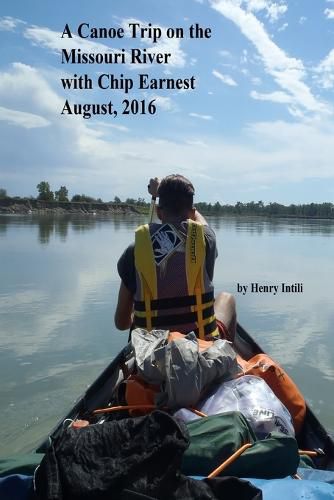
(44, 191)
(76, 197)
(117, 200)
(140, 202)
(216, 207)
(62, 194)
(83, 197)
(130, 201)
(3, 193)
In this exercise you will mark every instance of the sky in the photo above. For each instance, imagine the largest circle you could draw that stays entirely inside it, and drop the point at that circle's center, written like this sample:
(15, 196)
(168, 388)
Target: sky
(257, 126)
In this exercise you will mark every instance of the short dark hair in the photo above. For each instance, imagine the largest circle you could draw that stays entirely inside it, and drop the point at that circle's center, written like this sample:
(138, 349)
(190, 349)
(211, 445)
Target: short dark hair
(176, 194)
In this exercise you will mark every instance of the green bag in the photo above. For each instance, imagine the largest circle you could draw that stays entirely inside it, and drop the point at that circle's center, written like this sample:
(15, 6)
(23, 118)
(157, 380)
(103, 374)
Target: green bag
(215, 438)
(271, 458)
(20, 464)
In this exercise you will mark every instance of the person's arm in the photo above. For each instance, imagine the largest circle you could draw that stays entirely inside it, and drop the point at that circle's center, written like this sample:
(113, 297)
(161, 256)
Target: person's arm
(127, 289)
(124, 308)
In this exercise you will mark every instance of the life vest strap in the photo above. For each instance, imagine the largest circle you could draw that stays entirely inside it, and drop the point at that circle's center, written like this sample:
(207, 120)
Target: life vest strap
(174, 319)
(174, 302)
(199, 310)
(209, 329)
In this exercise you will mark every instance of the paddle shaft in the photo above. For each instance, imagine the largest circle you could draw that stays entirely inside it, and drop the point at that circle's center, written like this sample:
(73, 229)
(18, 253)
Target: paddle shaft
(151, 212)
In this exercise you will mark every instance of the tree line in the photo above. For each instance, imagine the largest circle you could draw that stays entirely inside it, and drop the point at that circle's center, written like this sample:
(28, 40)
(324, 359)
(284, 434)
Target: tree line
(320, 210)
(325, 210)
(46, 194)
(61, 195)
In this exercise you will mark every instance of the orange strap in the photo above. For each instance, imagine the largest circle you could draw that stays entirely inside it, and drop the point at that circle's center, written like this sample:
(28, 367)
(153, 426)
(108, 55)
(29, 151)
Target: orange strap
(243, 448)
(309, 453)
(229, 461)
(197, 412)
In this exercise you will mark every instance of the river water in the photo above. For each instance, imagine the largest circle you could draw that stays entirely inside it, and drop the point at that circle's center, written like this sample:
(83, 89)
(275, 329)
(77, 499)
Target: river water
(58, 290)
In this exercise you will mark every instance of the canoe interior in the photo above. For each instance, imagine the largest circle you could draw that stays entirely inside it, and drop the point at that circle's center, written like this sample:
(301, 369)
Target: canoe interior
(106, 390)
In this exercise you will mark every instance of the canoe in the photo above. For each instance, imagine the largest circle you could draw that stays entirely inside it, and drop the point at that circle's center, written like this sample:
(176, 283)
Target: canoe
(105, 391)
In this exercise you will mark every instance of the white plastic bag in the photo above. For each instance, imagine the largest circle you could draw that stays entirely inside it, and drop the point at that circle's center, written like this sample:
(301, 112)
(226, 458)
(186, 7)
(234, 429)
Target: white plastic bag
(255, 400)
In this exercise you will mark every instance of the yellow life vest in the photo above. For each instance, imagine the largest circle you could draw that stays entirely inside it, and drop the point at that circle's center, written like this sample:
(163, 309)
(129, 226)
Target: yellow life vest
(149, 310)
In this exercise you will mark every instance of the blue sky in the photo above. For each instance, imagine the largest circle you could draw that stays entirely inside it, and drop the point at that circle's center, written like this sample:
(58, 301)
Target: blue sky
(258, 125)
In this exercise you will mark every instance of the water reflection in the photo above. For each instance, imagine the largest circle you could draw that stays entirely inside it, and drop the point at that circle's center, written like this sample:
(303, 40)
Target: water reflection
(61, 225)
(259, 226)
(45, 230)
(61, 228)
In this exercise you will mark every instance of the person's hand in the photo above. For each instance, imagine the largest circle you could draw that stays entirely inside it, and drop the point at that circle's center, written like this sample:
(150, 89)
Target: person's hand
(153, 186)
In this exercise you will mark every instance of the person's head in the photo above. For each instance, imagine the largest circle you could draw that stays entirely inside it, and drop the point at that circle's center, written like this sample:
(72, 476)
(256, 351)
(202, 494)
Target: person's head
(176, 195)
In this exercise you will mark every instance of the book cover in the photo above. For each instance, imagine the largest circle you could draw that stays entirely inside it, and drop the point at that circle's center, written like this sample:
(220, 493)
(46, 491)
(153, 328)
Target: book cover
(97, 98)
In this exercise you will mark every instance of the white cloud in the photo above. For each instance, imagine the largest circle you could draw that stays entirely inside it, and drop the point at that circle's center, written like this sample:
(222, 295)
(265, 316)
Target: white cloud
(196, 142)
(244, 57)
(308, 146)
(274, 10)
(302, 20)
(283, 27)
(325, 70)
(225, 53)
(280, 97)
(202, 117)
(24, 87)
(329, 13)
(288, 72)
(106, 126)
(58, 147)
(22, 119)
(8, 23)
(256, 80)
(254, 5)
(228, 80)
(165, 103)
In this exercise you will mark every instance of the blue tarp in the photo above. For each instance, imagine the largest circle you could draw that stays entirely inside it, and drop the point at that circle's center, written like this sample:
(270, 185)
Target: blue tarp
(16, 487)
(315, 485)
(326, 476)
(278, 489)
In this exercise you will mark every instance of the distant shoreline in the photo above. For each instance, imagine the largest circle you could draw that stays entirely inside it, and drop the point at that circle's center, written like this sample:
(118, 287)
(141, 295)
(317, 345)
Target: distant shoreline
(40, 207)
(31, 206)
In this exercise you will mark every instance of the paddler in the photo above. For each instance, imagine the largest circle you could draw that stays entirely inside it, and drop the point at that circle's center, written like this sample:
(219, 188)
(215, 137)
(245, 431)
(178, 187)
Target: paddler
(167, 273)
